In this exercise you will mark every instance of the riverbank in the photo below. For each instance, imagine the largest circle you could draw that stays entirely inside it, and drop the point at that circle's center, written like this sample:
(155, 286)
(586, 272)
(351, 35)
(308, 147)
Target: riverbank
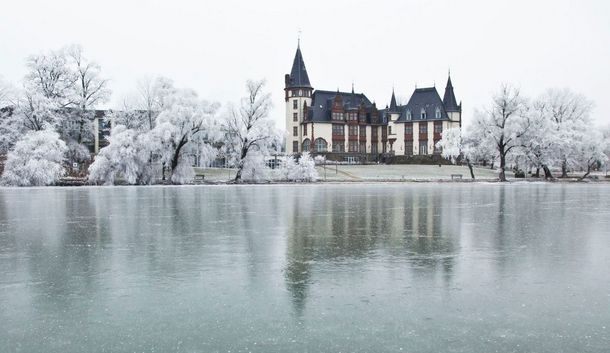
(336, 174)
(392, 173)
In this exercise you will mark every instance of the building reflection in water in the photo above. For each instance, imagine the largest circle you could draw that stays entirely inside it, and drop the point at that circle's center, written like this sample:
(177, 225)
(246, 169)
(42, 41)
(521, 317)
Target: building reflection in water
(414, 226)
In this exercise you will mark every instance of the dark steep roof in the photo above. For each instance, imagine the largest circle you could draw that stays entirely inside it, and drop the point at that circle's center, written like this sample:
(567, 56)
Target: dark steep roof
(423, 98)
(449, 98)
(393, 106)
(322, 104)
(298, 75)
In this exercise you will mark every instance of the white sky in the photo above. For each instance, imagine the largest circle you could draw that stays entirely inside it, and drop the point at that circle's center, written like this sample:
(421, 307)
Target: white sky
(214, 47)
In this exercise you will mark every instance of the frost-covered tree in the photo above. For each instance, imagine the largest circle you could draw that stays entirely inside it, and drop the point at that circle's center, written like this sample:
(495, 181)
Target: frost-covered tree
(126, 155)
(589, 152)
(537, 144)
(89, 89)
(37, 159)
(186, 126)
(306, 170)
(451, 144)
(249, 129)
(7, 93)
(50, 76)
(148, 100)
(569, 115)
(46, 89)
(10, 130)
(302, 169)
(606, 141)
(452, 147)
(505, 121)
(470, 144)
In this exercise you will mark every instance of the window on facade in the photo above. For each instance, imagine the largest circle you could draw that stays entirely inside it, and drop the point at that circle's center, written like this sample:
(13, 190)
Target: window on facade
(409, 148)
(362, 131)
(337, 116)
(306, 145)
(438, 113)
(353, 130)
(295, 146)
(353, 146)
(338, 146)
(295, 116)
(320, 145)
(390, 130)
(408, 114)
(423, 128)
(300, 93)
(305, 129)
(423, 113)
(295, 131)
(423, 147)
(374, 132)
(409, 128)
(438, 128)
(374, 148)
(295, 104)
(338, 129)
(362, 147)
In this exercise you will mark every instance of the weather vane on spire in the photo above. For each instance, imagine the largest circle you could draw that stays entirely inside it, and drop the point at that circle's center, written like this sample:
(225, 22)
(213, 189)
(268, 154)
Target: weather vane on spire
(299, 37)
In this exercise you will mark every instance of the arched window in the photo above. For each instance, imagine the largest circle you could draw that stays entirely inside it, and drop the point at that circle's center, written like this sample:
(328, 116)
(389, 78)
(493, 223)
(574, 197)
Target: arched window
(320, 145)
(408, 114)
(306, 145)
(438, 113)
(423, 113)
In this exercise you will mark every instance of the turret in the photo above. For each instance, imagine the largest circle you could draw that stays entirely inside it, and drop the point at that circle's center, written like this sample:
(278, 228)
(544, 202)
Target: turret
(298, 94)
(449, 100)
(393, 105)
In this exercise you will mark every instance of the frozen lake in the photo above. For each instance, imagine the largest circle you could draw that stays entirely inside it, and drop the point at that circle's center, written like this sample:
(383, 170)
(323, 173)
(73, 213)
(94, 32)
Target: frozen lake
(328, 268)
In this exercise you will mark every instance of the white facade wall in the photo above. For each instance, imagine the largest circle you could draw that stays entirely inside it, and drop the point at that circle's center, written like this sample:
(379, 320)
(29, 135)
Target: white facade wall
(290, 123)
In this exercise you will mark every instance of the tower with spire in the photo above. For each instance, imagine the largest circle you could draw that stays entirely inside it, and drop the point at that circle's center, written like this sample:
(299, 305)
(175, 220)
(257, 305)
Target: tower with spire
(453, 109)
(298, 92)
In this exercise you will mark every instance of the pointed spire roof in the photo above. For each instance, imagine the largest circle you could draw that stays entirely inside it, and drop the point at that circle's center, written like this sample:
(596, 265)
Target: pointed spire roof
(298, 74)
(449, 100)
(393, 106)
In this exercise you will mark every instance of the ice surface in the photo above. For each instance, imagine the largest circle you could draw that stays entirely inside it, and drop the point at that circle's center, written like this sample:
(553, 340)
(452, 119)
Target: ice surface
(281, 268)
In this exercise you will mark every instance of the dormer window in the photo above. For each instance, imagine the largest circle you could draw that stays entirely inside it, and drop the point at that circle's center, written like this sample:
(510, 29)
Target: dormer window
(423, 114)
(408, 114)
(438, 113)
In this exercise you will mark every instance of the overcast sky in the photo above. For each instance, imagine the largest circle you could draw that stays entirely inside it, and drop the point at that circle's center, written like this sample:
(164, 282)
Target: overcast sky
(214, 47)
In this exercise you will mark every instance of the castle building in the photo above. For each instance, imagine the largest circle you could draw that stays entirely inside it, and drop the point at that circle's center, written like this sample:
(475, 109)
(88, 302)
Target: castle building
(348, 126)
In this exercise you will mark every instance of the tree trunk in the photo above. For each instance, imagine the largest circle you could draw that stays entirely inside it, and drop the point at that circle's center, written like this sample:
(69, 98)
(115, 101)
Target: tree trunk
(586, 174)
(470, 168)
(547, 172)
(502, 166)
(564, 169)
(240, 166)
(176, 157)
(537, 175)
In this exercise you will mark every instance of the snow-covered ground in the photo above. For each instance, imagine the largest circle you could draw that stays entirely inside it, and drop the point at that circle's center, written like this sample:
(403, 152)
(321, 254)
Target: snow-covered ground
(371, 173)
(407, 172)
(400, 172)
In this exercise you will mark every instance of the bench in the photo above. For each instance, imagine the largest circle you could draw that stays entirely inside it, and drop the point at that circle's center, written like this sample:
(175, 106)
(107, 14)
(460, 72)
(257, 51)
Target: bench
(456, 176)
(199, 177)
